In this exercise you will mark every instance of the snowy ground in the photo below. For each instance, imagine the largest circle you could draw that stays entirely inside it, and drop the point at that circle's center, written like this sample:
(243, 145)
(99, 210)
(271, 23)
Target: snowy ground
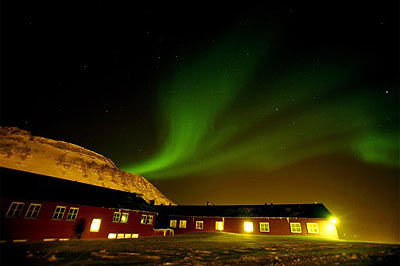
(202, 249)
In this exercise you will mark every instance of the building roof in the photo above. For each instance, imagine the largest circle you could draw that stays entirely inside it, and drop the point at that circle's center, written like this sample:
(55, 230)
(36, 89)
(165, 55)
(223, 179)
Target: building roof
(316, 210)
(24, 185)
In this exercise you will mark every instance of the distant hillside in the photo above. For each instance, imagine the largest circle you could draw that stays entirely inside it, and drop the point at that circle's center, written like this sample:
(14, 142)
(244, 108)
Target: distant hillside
(20, 150)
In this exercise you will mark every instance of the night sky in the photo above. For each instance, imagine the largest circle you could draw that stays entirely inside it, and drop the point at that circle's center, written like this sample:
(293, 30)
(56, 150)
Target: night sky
(231, 103)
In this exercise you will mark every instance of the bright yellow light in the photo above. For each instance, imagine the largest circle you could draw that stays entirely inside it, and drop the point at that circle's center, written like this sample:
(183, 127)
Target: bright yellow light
(135, 235)
(112, 236)
(331, 227)
(219, 226)
(120, 236)
(128, 235)
(248, 227)
(333, 220)
(95, 226)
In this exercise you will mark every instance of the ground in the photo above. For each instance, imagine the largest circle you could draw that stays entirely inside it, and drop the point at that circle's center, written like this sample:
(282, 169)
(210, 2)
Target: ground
(202, 249)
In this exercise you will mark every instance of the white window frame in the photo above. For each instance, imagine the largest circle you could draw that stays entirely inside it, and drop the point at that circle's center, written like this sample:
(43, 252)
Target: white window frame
(172, 223)
(311, 227)
(143, 220)
(266, 228)
(55, 212)
(294, 226)
(182, 223)
(17, 203)
(116, 217)
(127, 217)
(71, 215)
(34, 208)
(199, 225)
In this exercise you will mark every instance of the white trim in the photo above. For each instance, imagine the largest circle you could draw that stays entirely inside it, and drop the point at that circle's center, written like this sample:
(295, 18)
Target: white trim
(33, 210)
(295, 226)
(9, 208)
(76, 214)
(310, 225)
(63, 213)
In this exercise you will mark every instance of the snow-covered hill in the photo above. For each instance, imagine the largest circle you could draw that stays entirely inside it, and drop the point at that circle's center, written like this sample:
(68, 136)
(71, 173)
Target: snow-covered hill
(22, 151)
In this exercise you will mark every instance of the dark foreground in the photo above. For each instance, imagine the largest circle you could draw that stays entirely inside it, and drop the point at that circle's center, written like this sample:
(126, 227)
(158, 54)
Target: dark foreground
(202, 249)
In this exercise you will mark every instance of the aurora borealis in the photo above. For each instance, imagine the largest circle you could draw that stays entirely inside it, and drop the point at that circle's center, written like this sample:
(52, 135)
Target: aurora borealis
(254, 103)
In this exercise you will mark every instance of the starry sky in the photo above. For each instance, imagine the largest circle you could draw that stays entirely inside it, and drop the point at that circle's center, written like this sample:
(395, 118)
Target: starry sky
(229, 103)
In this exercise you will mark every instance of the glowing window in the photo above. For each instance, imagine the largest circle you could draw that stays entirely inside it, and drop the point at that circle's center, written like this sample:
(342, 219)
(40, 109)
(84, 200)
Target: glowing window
(295, 228)
(248, 227)
(172, 223)
(182, 223)
(150, 219)
(120, 236)
(116, 217)
(312, 228)
(33, 210)
(15, 209)
(219, 225)
(264, 227)
(72, 214)
(124, 217)
(112, 236)
(144, 219)
(59, 212)
(128, 235)
(199, 225)
(95, 226)
(135, 235)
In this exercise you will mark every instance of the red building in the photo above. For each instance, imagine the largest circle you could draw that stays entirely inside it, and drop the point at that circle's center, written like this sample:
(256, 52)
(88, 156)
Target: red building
(284, 219)
(37, 207)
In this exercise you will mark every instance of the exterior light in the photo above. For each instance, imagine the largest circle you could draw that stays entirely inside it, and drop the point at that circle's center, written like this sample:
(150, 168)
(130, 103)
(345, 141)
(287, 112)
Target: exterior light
(95, 226)
(331, 228)
(333, 220)
(248, 227)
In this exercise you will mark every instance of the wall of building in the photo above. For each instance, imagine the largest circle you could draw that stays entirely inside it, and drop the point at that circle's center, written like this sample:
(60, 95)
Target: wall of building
(277, 226)
(44, 227)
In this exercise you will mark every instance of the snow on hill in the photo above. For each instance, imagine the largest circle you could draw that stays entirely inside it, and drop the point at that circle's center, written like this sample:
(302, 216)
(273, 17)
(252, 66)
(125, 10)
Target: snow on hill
(22, 151)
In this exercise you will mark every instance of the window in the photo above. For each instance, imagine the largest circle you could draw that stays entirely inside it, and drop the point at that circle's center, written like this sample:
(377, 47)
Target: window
(144, 219)
(95, 226)
(112, 236)
(172, 223)
(72, 214)
(15, 209)
(150, 219)
(312, 228)
(124, 217)
(199, 225)
(182, 223)
(33, 210)
(248, 227)
(116, 217)
(120, 236)
(219, 225)
(264, 227)
(295, 227)
(59, 212)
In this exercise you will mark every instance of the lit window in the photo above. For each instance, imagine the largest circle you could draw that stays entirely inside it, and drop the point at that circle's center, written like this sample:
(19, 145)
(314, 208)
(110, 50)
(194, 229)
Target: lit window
(150, 219)
(95, 226)
(199, 225)
(248, 227)
(33, 210)
(59, 212)
(219, 225)
(15, 209)
(128, 235)
(124, 217)
(72, 214)
(295, 227)
(172, 223)
(182, 223)
(144, 219)
(264, 227)
(135, 235)
(112, 236)
(312, 228)
(116, 217)
(120, 236)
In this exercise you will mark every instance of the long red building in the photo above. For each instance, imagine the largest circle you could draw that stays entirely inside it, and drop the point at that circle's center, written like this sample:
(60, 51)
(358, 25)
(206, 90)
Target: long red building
(37, 207)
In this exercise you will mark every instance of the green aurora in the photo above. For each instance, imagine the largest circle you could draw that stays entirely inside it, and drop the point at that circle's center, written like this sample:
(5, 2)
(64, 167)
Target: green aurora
(229, 108)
